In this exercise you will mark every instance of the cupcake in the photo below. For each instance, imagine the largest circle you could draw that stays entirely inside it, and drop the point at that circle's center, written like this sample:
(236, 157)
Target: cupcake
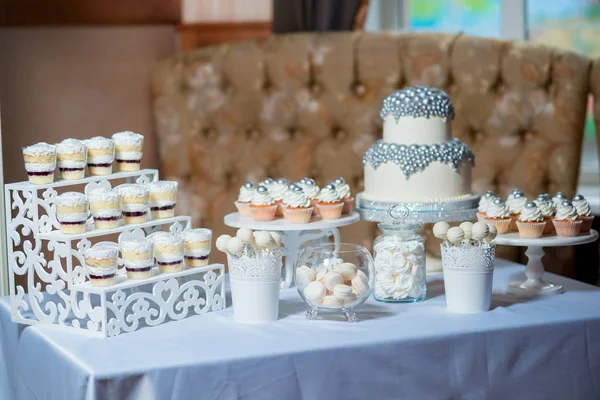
(72, 212)
(168, 251)
(546, 206)
(497, 214)
(138, 257)
(297, 206)
(162, 199)
(277, 190)
(101, 264)
(100, 155)
(105, 206)
(566, 221)
(343, 190)
(515, 203)
(40, 162)
(584, 212)
(262, 207)
(531, 221)
(484, 202)
(128, 149)
(134, 203)
(312, 191)
(244, 199)
(330, 204)
(71, 156)
(558, 198)
(197, 247)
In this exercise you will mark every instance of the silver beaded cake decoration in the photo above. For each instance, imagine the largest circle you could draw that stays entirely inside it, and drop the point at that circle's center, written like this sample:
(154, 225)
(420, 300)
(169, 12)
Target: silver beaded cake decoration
(415, 158)
(417, 102)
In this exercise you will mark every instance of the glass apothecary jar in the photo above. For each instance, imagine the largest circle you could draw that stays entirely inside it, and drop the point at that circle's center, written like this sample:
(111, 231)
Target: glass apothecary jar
(399, 254)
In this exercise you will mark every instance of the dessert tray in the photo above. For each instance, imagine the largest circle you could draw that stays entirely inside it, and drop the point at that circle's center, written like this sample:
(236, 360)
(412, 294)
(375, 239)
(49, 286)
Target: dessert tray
(534, 284)
(48, 284)
(295, 235)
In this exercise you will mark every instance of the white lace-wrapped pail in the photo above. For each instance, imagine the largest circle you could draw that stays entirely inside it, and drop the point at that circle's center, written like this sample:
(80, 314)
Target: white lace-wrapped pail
(468, 275)
(255, 285)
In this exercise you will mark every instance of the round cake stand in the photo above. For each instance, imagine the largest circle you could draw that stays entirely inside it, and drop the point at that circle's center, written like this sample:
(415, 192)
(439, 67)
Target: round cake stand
(293, 236)
(534, 284)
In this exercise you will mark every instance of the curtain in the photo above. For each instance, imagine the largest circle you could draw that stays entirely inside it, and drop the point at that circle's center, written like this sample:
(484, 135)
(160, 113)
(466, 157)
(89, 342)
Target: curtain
(316, 15)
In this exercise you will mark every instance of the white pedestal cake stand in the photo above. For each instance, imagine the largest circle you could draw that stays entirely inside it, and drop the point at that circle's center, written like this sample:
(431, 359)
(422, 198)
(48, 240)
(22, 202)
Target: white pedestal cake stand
(294, 235)
(535, 285)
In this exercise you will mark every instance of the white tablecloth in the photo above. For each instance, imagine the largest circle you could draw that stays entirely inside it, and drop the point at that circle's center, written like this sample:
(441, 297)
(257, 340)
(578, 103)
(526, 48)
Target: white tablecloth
(547, 348)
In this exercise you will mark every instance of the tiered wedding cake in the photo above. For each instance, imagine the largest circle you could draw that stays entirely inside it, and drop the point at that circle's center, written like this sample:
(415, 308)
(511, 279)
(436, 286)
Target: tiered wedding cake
(417, 160)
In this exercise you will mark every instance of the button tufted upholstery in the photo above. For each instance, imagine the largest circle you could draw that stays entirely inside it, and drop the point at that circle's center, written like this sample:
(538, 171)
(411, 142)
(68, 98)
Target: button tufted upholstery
(308, 104)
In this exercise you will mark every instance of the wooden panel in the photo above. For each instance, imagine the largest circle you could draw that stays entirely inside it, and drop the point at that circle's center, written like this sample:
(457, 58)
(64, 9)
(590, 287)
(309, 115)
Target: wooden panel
(88, 12)
(198, 35)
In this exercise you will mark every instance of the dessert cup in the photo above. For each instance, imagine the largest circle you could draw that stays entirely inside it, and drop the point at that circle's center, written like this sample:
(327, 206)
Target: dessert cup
(138, 257)
(105, 206)
(163, 198)
(263, 213)
(586, 223)
(197, 247)
(168, 251)
(100, 155)
(502, 224)
(531, 229)
(298, 215)
(101, 264)
(243, 208)
(330, 210)
(128, 150)
(567, 228)
(72, 212)
(71, 156)
(348, 204)
(40, 163)
(134, 203)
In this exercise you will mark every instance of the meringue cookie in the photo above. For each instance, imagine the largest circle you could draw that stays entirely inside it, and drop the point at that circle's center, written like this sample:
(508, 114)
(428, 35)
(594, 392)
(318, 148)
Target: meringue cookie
(222, 242)
(332, 279)
(314, 292)
(467, 228)
(304, 275)
(455, 235)
(347, 270)
(440, 230)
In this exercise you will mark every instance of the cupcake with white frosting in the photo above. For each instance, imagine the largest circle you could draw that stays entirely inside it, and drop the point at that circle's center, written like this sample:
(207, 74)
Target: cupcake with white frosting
(134, 203)
(71, 155)
(515, 203)
(138, 257)
(487, 199)
(40, 163)
(277, 190)
(263, 206)
(100, 155)
(72, 212)
(546, 206)
(169, 251)
(584, 211)
(128, 150)
(197, 247)
(312, 191)
(497, 214)
(105, 206)
(244, 199)
(329, 203)
(101, 264)
(297, 206)
(343, 190)
(163, 198)
(558, 199)
(531, 221)
(566, 221)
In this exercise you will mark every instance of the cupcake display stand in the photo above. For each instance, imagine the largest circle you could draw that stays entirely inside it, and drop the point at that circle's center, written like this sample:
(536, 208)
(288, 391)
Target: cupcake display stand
(534, 284)
(294, 235)
(48, 284)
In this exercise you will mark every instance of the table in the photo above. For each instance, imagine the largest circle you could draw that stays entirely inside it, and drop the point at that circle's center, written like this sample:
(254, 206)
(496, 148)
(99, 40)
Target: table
(542, 348)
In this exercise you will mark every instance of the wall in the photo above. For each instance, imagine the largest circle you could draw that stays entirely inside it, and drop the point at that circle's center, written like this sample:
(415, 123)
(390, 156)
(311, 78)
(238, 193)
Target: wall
(194, 11)
(77, 82)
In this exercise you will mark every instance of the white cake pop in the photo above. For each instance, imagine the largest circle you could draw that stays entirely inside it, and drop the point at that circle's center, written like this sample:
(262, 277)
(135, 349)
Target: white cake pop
(440, 230)
(235, 246)
(467, 228)
(221, 243)
(455, 235)
(491, 233)
(245, 235)
(276, 238)
(480, 230)
(263, 239)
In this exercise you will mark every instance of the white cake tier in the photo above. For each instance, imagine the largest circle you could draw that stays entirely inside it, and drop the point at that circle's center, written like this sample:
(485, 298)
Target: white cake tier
(437, 182)
(409, 130)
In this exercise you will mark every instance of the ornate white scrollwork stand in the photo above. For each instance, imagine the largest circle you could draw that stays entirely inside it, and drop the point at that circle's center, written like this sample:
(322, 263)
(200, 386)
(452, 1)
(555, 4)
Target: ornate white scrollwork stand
(294, 235)
(534, 284)
(50, 265)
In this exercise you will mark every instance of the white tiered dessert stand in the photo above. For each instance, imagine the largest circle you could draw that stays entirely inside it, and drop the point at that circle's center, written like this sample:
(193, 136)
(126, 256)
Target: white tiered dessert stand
(50, 263)
(294, 235)
(534, 284)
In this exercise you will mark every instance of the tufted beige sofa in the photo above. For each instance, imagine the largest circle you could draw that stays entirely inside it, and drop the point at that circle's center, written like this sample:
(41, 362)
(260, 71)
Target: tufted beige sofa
(308, 104)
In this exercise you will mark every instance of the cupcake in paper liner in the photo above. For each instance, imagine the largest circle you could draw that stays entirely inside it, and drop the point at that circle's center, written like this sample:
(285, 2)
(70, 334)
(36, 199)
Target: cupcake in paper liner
(515, 203)
(343, 191)
(567, 222)
(262, 207)
(71, 156)
(128, 150)
(40, 163)
(277, 190)
(244, 199)
(546, 206)
(312, 191)
(498, 215)
(297, 206)
(531, 221)
(585, 213)
(487, 199)
(330, 204)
